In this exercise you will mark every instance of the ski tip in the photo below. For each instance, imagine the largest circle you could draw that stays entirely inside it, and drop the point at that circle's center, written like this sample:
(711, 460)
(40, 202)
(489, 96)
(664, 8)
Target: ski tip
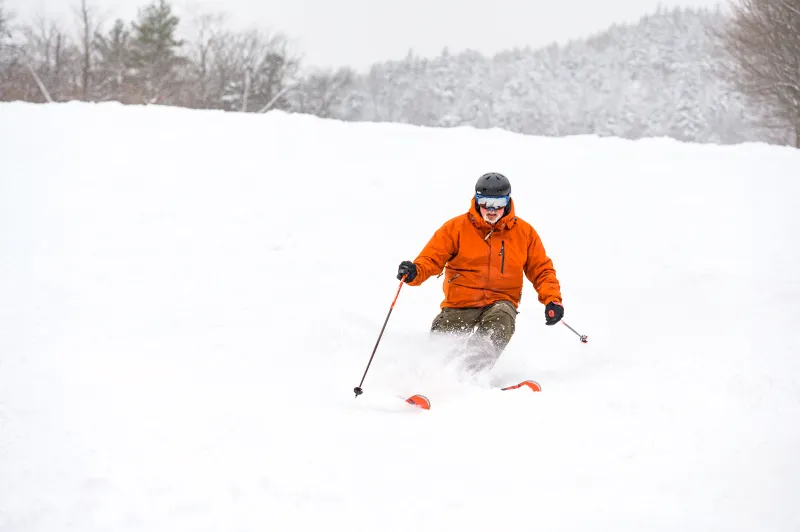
(533, 385)
(419, 401)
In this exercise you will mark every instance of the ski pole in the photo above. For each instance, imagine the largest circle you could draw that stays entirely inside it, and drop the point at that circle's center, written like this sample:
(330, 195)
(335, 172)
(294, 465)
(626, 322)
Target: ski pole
(358, 390)
(583, 337)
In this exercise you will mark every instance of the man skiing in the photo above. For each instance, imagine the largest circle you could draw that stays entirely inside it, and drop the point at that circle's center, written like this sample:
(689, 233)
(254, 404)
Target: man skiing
(484, 254)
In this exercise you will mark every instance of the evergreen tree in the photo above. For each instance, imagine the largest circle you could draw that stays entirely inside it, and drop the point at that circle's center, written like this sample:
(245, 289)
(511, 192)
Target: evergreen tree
(154, 57)
(4, 30)
(443, 87)
(113, 63)
(9, 64)
(5, 38)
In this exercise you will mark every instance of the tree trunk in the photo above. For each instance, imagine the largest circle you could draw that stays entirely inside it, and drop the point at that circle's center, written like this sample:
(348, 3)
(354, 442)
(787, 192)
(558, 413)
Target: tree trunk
(246, 95)
(59, 67)
(87, 50)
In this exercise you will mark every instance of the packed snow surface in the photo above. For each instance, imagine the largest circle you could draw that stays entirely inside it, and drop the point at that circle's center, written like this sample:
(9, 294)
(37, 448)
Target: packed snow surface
(187, 299)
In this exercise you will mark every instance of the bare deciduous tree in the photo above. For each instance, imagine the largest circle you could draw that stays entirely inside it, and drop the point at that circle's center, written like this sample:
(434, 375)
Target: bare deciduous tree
(225, 65)
(323, 92)
(265, 67)
(11, 67)
(89, 25)
(762, 41)
(5, 38)
(52, 56)
(207, 55)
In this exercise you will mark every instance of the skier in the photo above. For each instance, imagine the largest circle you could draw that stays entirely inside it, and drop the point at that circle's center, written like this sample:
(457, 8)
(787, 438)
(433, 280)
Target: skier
(483, 254)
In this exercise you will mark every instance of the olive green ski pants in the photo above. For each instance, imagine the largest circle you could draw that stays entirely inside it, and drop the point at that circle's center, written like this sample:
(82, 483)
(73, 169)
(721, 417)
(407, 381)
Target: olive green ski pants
(489, 329)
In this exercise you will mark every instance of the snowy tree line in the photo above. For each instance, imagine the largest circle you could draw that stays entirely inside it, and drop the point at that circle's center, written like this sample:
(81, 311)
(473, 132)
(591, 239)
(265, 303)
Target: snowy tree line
(143, 61)
(663, 76)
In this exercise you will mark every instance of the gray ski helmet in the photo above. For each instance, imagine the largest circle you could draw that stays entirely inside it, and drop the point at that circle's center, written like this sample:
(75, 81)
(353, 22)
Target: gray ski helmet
(493, 184)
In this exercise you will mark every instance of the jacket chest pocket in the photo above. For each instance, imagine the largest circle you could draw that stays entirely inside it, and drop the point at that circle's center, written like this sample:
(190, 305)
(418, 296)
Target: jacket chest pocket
(510, 257)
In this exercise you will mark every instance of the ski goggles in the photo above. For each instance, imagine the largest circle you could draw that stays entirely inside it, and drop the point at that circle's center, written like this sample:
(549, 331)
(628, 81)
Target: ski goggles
(492, 202)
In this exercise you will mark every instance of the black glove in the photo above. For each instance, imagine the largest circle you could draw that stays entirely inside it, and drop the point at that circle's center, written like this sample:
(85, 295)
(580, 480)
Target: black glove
(553, 313)
(407, 268)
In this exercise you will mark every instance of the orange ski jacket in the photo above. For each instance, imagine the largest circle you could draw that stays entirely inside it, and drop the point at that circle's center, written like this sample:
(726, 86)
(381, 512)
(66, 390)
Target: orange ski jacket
(484, 264)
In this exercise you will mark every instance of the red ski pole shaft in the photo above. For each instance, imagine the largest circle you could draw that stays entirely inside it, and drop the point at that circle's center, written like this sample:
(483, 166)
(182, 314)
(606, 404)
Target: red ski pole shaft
(583, 337)
(358, 391)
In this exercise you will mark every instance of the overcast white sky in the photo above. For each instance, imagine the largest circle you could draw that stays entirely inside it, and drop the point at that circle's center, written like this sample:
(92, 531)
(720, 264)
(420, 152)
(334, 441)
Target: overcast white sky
(360, 32)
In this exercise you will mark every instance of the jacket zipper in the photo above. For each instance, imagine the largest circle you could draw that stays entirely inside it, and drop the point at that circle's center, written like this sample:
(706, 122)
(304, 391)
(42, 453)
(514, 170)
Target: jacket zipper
(502, 255)
(453, 278)
(489, 266)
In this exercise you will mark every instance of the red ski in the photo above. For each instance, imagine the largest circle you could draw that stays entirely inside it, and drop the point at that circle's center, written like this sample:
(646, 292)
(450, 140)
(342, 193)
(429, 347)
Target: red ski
(420, 401)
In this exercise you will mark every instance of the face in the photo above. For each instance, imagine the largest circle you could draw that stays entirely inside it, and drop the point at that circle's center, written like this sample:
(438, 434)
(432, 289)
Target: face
(491, 215)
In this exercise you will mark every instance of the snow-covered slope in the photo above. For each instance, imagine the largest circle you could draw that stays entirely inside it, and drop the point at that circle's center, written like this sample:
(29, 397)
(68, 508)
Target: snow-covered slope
(187, 300)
